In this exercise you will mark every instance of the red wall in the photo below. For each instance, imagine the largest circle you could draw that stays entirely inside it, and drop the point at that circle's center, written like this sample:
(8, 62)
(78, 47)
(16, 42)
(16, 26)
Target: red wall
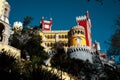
(84, 24)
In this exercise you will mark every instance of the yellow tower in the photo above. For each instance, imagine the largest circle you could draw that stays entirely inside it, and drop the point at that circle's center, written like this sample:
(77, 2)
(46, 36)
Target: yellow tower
(76, 36)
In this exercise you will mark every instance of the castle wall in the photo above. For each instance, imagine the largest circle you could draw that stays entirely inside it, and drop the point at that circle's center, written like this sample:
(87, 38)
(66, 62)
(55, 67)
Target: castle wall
(11, 50)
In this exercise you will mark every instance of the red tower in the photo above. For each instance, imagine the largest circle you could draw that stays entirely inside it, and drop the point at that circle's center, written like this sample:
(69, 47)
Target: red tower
(86, 23)
(46, 25)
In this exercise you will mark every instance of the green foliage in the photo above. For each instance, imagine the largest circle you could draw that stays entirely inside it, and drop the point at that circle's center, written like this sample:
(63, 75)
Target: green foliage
(6, 60)
(8, 67)
(11, 69)
(115, 40)
(27, 20)
(29, 43)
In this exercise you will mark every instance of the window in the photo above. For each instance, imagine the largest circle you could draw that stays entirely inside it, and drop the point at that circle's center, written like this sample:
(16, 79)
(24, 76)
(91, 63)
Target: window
(78, 32)
(48, 36)
(62, 36)
(5, 12)
(66, 36)
(78, 40)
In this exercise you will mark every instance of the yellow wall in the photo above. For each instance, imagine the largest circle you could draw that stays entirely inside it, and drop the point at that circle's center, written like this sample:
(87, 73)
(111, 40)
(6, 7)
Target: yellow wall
(77, 36)
(74, 42)
(49, 38)
(1, 7)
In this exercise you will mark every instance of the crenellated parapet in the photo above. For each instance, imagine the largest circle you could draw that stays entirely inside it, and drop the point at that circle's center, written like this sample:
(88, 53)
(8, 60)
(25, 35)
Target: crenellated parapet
(81, 18)
(82, 53)
(77, 30)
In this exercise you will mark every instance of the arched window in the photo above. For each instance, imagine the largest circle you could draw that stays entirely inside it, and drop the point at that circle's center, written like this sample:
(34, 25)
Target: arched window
(48, 44)
(48, 36)
(75, 32)
(53, 36)
(59, 36)
(62, 36)
(51, 44)
(66, 36)
(78, 32)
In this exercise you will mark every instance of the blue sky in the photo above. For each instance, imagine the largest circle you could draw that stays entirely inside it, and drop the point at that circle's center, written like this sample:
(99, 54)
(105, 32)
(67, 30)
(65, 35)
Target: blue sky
(63, 13)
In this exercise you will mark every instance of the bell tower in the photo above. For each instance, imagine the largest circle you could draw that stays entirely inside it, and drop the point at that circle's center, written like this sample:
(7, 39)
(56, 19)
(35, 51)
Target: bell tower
(4, 21)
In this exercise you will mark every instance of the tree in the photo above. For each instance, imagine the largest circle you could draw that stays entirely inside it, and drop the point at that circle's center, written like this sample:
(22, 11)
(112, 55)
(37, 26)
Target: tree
(59, 56)
(27, 20)
(115, 40)
(8, 66)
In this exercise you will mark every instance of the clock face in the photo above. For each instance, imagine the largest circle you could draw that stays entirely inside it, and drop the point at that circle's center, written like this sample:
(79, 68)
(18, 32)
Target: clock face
(78, 40)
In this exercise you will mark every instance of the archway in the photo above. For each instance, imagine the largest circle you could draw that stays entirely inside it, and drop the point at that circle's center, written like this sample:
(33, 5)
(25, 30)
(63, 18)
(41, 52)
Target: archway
(2, 27)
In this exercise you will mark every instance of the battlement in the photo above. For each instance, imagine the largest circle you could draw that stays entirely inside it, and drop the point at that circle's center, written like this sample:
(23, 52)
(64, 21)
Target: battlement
(78, 27)
(81, 48)
(82, 53)
(81, 18)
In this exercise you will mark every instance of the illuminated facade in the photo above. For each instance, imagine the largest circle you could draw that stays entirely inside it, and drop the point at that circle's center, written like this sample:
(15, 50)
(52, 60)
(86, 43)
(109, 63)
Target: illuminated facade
(4, 21)
(79, 35)
(50, 37)
(5, 30)
(4, 10)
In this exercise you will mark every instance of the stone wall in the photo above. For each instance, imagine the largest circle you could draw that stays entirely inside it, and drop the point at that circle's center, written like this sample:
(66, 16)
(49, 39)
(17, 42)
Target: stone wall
(11, 50)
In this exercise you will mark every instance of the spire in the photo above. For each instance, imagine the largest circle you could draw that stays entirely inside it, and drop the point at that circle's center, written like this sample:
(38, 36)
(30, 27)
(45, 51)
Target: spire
(87, 15)
(50, 18)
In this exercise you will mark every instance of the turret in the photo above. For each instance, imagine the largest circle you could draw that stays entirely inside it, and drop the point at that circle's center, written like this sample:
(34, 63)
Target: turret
(76, 36)
(17, 26)
(86, 23)
(45, 24)
(97, 46)
(4, 11)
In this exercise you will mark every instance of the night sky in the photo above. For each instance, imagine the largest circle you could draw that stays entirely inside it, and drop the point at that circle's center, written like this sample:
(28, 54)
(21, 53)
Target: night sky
(64, 12)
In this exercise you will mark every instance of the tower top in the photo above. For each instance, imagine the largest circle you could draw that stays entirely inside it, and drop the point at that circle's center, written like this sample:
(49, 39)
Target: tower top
(84, 17)
(86, 23)
(46, 24)
(4, 11)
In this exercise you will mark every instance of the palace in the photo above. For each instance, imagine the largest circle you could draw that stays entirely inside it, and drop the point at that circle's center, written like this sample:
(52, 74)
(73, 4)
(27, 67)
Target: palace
(77, 41)
(50, 37)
